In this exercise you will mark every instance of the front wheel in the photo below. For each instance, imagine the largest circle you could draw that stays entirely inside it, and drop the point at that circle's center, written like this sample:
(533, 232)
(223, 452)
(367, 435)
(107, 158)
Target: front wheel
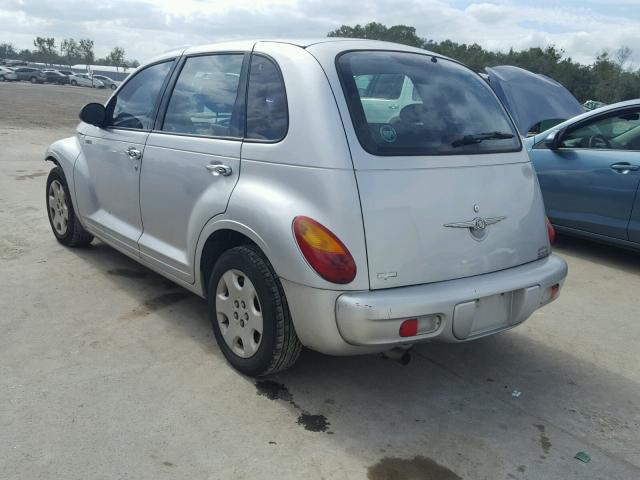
(62, 218)
(250, 315)
(113, 86)
(33, 80)
(2, 79)
(74, 83)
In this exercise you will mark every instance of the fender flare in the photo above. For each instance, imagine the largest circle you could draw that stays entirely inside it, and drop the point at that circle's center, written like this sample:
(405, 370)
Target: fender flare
(216, 224)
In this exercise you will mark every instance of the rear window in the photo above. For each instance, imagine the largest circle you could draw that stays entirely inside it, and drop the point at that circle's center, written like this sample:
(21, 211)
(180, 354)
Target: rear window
(413, 104)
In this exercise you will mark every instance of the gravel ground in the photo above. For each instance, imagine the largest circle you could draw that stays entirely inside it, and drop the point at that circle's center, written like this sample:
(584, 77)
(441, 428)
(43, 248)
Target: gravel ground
(109, 371)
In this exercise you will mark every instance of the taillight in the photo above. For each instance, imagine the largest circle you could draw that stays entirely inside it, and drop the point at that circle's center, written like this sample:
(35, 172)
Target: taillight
(550, 231)
(326, 254)
(409, 328)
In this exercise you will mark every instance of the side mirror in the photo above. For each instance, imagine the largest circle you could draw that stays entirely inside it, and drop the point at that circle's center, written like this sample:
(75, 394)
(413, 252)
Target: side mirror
(552, 141)
(93, 114)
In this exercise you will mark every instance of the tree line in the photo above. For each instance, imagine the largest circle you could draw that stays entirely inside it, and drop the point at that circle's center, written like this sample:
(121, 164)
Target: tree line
(69, 52)
(609, 79)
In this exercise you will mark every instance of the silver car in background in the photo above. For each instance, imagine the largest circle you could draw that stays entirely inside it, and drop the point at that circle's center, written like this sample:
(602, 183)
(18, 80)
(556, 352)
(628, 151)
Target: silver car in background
(7, 74)
(82, 79)
(108, 82)
(264, 177)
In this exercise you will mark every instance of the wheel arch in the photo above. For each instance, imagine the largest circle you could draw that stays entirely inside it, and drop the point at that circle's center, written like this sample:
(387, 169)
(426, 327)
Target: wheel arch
(64, 154)
(217, 237)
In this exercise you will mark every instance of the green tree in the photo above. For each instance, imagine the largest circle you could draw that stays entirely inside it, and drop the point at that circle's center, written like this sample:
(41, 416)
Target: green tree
(85, 48)
(377, 31)
(116, 57)
(71, 51)
(45, 49)
(7, 50)
(609, 79)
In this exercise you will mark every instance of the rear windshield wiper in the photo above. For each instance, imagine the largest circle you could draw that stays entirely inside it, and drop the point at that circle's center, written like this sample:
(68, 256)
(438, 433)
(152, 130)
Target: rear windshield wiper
(479, 137)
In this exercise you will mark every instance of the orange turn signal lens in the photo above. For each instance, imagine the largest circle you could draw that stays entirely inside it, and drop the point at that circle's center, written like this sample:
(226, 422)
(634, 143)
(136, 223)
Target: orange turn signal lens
(326, 254)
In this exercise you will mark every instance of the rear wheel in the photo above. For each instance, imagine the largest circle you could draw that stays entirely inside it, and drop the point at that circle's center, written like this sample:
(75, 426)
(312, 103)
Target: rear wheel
(250, 315)
(62, 218)
(2, 79)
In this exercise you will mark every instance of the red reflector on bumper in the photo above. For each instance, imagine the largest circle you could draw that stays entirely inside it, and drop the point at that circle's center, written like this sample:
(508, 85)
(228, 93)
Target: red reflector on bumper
(409, 328)
(554, 290)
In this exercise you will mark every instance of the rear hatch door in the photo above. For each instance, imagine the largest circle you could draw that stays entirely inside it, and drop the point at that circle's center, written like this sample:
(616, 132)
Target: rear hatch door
(446, 189)
(435, 223)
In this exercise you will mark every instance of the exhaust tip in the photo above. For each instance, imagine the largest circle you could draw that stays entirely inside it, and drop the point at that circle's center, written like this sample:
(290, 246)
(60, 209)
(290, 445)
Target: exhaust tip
(398, 354)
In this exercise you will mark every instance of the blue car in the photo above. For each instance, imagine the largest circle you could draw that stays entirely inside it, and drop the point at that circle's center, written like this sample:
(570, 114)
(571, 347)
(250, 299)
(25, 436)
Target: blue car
(589, 171)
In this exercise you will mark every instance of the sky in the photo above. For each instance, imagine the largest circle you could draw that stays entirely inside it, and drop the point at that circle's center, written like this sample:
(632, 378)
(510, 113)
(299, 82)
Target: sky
(145, 28)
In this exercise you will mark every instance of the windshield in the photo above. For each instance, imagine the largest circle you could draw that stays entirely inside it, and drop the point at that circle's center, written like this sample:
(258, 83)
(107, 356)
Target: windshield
(414, 104)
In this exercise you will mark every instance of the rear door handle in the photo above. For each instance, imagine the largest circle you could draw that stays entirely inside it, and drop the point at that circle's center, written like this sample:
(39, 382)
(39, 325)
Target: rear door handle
(217, 169)
(134, 153)
(624, 167)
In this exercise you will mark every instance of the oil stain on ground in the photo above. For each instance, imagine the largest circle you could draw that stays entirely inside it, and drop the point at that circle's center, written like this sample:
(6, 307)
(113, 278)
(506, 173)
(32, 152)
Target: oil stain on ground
(416, 468)
(277, 391)
(156, 303)
(166, 299)
(31, 175)
(313, 423)
(545, 443)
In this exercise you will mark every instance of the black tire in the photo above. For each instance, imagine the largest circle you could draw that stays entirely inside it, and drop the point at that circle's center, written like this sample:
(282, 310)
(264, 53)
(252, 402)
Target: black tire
(2, 79)
(279, 347)
(75, 235)
(113, 86)
(33, 80)
(74, 83)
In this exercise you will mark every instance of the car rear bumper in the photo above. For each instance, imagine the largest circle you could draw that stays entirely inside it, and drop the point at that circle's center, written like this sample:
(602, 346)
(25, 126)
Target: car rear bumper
(450, 311)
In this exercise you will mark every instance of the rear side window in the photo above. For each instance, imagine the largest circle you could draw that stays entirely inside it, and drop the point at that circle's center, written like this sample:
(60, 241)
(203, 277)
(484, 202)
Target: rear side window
(135, 104)
(267, 114)
(414, 104)
(205, 98)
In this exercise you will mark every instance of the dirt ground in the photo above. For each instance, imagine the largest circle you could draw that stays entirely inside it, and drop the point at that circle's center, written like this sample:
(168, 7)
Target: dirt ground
(108, 371)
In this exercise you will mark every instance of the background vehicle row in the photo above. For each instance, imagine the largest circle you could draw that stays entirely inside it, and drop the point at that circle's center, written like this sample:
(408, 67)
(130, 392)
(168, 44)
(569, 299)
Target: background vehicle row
(59, 77)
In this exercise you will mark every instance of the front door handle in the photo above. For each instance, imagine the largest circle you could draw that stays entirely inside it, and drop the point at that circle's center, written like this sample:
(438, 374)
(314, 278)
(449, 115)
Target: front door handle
(134, 153)
(624, 167)
(217, 169)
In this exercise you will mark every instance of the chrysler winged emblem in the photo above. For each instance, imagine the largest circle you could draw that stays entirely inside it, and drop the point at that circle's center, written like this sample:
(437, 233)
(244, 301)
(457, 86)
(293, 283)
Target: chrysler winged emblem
(477, 227)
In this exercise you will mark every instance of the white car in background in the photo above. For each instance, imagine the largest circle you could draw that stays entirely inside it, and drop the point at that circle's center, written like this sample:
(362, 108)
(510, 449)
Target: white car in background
(108, 82)
(7, 74)
(82, 79)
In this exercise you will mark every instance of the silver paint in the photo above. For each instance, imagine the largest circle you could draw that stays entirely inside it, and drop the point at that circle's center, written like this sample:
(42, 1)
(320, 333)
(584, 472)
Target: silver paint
(158, 197)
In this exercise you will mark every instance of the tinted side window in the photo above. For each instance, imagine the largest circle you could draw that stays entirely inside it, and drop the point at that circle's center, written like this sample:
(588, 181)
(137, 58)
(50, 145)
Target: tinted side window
(618, 132)
(267, 115)
(134, 105)
(204, 99)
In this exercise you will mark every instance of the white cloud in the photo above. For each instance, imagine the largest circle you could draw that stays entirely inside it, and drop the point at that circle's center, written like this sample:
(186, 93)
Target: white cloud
(146, 27)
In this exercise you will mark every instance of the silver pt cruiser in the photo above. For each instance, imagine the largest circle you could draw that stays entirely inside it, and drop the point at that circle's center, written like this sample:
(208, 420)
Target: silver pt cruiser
(350, 196)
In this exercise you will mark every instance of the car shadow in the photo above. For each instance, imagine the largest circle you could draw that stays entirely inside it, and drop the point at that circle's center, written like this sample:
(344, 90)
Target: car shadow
(186, 312)
(609, 255)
